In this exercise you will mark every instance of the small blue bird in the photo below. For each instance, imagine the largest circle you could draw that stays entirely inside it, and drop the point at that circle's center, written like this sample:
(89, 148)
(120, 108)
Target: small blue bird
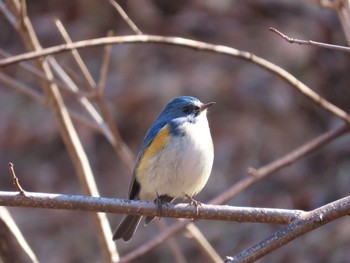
(175, 159)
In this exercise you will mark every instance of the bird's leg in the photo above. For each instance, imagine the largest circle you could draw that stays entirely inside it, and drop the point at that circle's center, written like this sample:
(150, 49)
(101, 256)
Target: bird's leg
(194, 202)
(159, 204)
(160, 200)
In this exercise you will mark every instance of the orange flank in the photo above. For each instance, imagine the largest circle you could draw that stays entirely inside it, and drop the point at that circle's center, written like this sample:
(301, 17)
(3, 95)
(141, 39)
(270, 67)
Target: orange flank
(156, 145)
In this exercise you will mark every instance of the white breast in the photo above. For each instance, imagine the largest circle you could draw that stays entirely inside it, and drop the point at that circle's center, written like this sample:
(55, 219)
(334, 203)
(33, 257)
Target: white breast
(183, 166)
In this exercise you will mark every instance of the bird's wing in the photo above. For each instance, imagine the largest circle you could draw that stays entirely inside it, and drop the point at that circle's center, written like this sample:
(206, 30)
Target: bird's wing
(153, 141)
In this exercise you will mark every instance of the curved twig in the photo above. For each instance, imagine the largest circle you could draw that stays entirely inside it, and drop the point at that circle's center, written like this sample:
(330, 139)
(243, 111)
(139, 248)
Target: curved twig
(178, 41)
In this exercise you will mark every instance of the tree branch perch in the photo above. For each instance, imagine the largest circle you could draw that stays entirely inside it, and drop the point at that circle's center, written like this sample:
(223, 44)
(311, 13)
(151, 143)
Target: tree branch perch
(125, 206)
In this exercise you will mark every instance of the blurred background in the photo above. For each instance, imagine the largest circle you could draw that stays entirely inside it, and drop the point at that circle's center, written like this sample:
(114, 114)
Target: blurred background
(257, 118)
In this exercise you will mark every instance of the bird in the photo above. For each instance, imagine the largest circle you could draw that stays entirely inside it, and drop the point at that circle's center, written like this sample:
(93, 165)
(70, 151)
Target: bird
(175, 160)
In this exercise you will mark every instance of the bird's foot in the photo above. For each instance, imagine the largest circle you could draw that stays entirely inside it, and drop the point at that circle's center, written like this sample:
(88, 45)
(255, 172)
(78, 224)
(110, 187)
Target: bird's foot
(160, 201)
(194, 203)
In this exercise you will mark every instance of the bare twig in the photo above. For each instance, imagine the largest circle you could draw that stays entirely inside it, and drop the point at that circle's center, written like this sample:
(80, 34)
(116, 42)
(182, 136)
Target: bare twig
(203, 243)
(125, 17)
(8, 15)
(104, 69)
(13, 246)
(77, 57)
(309, 42)
(178, 41)
(172, 244)
(342, 7)
(155, 242)
(21, 87)
(300, 152)
(308, 221)
(34, 71)
(327, 4)
(15, 179)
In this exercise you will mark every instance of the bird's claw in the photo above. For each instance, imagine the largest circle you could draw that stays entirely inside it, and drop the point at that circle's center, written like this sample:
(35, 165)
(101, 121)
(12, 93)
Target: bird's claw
(194, 203)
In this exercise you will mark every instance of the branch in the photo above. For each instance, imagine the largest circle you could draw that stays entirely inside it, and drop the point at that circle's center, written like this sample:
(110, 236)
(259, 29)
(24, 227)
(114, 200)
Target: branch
(21, 87)
(130, 207)
(309, 42)
(288, 159)
(173, 244)
(15, 179)
(203, 243)
(77, 58)
(307, 222)
(13, 246)
(189, 43)
(342, 7)
(125, 17)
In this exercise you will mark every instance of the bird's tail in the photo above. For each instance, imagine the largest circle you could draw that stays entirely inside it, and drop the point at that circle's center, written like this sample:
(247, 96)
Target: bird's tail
(127, 228)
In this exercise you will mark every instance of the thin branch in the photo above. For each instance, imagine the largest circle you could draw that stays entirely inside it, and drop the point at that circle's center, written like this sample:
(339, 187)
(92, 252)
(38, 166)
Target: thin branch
(90, 109)
(172, 244)
(105, 64)
(198, 45)
(22, 88)
(130, 207)
(15, 179)
(13, 246)
(343, 12)
(155, 242)
(306, 223)
(34, 71)
(8, 15)
(327, 4)
(76, 55)
(125, 17)
(203, 243)
(300, 152)
(309, 42)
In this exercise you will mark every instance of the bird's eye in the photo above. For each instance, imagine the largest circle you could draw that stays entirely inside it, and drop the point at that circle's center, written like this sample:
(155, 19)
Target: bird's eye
(186, 109)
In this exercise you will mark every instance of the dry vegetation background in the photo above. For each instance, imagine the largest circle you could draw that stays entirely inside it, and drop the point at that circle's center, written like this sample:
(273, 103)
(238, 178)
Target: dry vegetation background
(257, 118)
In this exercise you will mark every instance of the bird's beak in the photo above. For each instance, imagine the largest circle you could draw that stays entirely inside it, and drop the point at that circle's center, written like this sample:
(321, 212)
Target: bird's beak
(206, 106)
